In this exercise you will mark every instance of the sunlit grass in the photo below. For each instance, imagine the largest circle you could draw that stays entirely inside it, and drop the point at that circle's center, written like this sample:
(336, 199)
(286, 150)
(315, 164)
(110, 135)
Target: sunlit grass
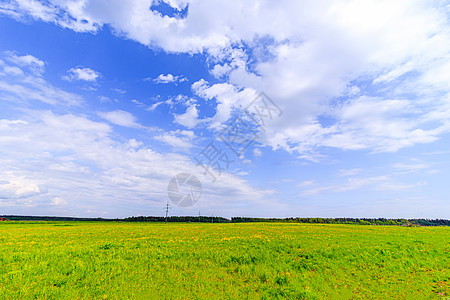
(96, 260)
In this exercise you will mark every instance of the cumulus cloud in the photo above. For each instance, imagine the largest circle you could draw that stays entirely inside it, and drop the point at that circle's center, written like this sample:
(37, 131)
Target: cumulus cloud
(169, 78)
(227, 96)
(75, 166)
(316, 59)
(69, 164)
(80, 73)
(18, 187)
(189, 118)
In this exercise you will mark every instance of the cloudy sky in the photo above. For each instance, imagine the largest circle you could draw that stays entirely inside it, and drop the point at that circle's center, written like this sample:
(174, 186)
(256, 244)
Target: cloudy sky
(103, 102)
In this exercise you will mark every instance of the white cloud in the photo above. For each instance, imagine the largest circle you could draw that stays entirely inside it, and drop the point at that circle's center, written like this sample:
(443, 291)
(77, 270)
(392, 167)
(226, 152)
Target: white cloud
(138, 103)
(154, 105)
(411, 167)
(354, 183)
(311, 57)
(21, 82)
(18, 187)
(257, 152)
(395, 73)
(189, 118)
(306, 183)
(227, 96)
(393, 178)
(79, 73)
(169, 78)
(13, 71)
(59, 201)
(36, 65)
(120, 91)
(220, 71)
(179, 139)
(121, 118)
(349, 172)
(49, 12)
(71, 165)
(105, 99)
(172, 102)
(398, 187)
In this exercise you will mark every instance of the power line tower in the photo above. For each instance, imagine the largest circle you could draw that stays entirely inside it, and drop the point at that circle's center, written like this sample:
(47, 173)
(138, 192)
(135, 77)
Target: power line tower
(167, 210)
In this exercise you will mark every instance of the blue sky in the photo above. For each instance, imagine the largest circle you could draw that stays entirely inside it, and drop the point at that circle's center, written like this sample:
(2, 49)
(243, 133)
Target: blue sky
(103, 102)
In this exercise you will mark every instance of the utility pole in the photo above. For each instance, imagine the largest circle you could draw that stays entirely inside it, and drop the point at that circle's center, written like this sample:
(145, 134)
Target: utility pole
(167, 210)
(199, 218)
(212, 218)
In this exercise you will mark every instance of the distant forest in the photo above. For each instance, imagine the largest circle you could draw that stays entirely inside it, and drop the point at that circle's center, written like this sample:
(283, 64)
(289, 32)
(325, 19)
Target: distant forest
(205, 219)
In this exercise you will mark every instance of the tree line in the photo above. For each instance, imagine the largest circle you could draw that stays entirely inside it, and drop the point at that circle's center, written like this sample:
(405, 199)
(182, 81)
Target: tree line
(211, 219)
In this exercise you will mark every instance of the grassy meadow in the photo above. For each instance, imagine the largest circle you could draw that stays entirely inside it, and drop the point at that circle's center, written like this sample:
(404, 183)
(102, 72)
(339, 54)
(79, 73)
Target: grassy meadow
(117, 260)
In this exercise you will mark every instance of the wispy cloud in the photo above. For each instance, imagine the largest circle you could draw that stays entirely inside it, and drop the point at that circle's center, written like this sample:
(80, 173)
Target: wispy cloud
(34, 64)
(119, 91)
(121, 118)
(411, 167)
(178, 139)
(350, 184)
(306, 183)
(21, 82)
(349, 172)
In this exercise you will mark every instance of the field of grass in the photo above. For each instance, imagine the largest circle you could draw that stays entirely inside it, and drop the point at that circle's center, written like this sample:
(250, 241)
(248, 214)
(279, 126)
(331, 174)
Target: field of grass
(112, 260)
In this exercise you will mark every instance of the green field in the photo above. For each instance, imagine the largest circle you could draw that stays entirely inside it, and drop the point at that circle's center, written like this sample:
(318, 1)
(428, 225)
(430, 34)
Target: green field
(113, 260)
